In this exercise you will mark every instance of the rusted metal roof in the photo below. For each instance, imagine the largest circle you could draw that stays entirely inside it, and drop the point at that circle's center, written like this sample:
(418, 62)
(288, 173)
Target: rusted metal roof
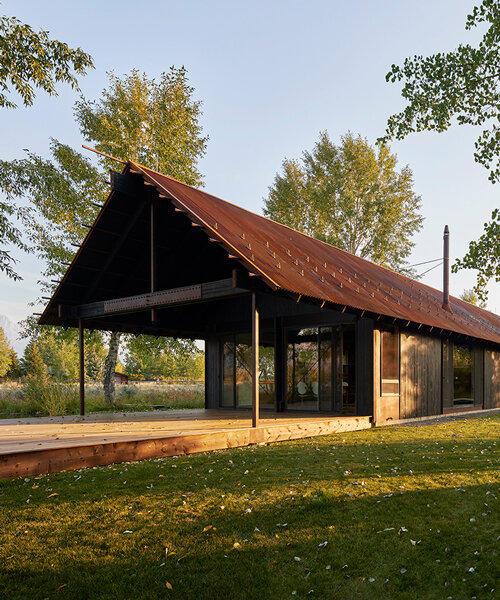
(289, 260)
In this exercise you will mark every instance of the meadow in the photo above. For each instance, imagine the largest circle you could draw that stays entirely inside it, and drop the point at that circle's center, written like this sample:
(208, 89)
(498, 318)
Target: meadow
(36, 398)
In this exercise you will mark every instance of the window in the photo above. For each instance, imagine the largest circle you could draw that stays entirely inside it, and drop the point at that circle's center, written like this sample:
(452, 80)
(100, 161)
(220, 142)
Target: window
(237, 372)
(389, 363)
(463, 368)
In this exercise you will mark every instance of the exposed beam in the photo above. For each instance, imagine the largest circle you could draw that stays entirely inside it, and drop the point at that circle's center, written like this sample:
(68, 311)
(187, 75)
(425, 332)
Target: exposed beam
(175, 296)
(118, 245)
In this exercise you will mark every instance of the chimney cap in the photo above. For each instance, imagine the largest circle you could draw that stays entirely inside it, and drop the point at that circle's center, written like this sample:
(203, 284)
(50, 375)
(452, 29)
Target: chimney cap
(446, 230)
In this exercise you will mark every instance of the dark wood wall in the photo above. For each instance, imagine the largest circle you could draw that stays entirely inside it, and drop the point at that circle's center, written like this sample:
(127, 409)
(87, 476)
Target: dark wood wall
(420, 390)
(364, 367)
(491, 379)
(212, 373)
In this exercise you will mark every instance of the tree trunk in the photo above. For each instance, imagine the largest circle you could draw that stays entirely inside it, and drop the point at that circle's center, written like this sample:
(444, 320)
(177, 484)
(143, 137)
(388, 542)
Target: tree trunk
(110, 367)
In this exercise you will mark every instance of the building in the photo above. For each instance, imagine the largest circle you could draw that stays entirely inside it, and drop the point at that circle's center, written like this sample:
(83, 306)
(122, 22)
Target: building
(290, 323)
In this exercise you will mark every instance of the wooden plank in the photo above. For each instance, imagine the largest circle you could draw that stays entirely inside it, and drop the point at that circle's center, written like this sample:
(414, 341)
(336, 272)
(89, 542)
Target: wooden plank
(491, 379)
(22, 464)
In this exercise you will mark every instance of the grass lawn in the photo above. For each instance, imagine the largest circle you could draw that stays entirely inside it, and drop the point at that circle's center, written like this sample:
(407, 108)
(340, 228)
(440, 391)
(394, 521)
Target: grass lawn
(401, 512)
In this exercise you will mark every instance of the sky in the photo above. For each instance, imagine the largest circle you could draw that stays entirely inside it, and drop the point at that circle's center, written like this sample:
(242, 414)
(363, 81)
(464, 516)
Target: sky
(271, 75)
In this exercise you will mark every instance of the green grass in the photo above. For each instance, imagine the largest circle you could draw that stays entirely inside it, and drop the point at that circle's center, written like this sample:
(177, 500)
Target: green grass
(411, 513)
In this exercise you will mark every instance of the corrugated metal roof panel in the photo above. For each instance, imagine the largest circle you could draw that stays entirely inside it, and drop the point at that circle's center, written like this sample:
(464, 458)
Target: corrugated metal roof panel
(295, 262)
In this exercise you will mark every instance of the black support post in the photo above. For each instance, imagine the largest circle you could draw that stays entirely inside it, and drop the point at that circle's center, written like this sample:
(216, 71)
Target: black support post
(255, 362)
(154, 314)
(81, 349)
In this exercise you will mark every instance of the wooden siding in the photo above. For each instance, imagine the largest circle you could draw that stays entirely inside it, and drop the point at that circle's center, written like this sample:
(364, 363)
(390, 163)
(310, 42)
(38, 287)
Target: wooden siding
(420, 389)
(385, 408)
(491, 379)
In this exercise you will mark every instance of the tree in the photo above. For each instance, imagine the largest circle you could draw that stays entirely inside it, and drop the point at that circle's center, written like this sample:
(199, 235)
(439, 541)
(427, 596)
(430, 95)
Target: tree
(5, 353)
(156, 123)
(484, 256)
(33, 364)
(350, 196)
(460, 85)
(471, 297)
(29, 60)
(163, 358)
(14, 371)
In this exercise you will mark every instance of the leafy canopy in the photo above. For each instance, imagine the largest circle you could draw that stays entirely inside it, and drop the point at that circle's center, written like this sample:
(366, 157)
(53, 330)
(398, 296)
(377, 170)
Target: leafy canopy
(350, 196)
(136, 118)
(484, 256)
(462, 84)
(30, 59)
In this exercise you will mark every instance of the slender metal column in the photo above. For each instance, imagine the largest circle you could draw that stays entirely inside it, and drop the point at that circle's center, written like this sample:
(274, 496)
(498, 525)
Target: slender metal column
(81, 351)
(154, 315)
(255, 362)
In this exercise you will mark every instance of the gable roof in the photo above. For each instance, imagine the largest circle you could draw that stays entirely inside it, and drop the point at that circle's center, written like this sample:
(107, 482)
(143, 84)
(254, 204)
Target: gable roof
(288, 260)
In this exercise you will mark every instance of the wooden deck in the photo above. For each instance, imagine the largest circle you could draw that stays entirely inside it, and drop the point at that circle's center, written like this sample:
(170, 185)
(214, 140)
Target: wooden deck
(49, 444)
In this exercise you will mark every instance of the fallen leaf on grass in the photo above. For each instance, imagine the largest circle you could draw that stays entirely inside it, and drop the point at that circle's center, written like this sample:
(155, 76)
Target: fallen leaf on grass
(51, 495)
(62, 586)
(168, 585)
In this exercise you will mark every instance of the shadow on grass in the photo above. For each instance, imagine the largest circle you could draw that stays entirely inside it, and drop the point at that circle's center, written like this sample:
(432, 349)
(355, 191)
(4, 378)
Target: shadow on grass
(420, 542)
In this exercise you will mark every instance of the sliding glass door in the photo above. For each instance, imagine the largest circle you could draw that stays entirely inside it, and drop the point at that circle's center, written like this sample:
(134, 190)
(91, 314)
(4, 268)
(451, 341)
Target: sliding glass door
(320, 369)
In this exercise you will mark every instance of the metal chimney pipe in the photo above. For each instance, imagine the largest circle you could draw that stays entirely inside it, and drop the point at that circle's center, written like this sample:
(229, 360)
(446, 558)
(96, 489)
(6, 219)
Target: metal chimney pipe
(446, 269)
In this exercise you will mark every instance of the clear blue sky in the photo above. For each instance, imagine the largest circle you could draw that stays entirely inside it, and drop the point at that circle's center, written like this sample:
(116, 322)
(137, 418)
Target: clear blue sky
(271, 76)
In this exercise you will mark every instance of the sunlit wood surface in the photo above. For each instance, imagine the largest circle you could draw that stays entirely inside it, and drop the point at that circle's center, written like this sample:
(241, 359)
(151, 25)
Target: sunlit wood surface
(40, 445)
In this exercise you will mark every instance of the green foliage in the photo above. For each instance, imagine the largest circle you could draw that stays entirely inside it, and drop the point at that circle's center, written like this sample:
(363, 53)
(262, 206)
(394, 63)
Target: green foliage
(58, 349)
(484, 256)
(14, 370)
(49, 398)
(30, 59)
(162, 358)
(154, 123)
(462, 84)
(350, 196)
(33, 364)
(5, 354)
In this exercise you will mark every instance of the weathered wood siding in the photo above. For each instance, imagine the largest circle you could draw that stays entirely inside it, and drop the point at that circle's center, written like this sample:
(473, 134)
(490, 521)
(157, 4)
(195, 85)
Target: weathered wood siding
(385, 408)
(212, 368)
(491, 379)
(420, 389)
